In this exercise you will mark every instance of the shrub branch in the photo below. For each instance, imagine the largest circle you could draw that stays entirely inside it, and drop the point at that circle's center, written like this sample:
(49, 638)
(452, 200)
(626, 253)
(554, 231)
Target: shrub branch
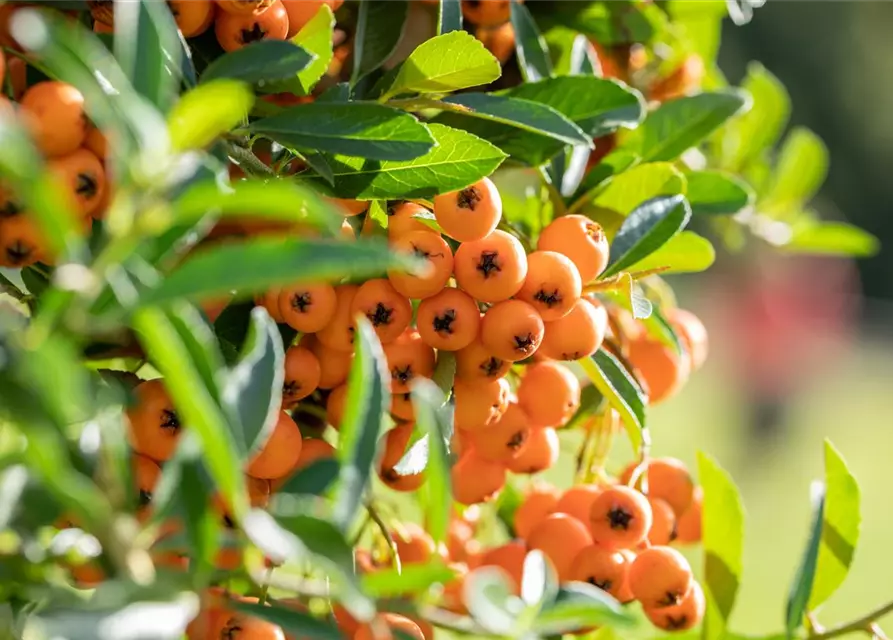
(860, 624)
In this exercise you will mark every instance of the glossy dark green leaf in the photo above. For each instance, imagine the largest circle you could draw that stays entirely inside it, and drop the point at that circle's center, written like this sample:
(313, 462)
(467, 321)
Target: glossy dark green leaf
(579, 605)
(208, 111)
(216, 271)
(685, 122)
(380, 26)
(252, 389)
(148, 49)
(260, 62)
(713, 193)
(622, 392)
(365, 130)
(686, 252)
(833, 239)
(295, 623)
(367, 402)
(320, 165)
(648, 227)
(722, 536)
(449, 16)
(412, 578)
(533, 53)
(431, 418)
(842, 519)
(798, 597)
(314, 479)
(445, 63)
(458, 160)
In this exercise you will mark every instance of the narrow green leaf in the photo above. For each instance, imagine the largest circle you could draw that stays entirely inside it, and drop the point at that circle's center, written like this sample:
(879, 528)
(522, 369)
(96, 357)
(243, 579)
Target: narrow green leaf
(579, 605)
(798, 598)
(445, 373)
(449, 16)
(686, 252)
(413, 578)
(445, 63)
(260, 62)
(252, 389)
(315, 37)
(367, 402)
(622, 392)
(199, 340)
(683, 123)
(380, 27)
(833, 238)
(313, 480)
(148, 49)
(648, 227)
(207, 111)
(295, 623)
(458, 160)
(713, 193)
(533, 53)
(216, 271)
(842, 519)
(800, 170)
(723, 540)
(431, 418)
(364, 130)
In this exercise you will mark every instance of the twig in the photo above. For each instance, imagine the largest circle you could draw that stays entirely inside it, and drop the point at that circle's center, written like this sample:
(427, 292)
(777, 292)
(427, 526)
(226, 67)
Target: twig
(248, 161)
(860, 624)
(392, 546)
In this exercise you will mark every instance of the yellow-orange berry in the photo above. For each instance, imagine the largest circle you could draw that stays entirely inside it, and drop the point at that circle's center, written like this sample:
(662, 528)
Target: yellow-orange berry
(470, 213)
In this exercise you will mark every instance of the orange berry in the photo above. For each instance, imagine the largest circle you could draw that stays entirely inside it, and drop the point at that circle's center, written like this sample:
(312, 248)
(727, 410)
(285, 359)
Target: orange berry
(193, 17)
(280, 453)
(346, 622)
(346, 207)
(581, 240)
(258, 496)
(512, 330)
(470, 213)
(96, 142)
(241, 627)
(334, 366)
(244, 7)
(154, 425)
(683, 80)
(82, 178)
(669, 480)
(663, 523)
(491, 269)
(486, 13)
(680, 617)
(552, 286)
(549, 393)
(338, 334)
(21, 242)
(408, 358)
(659, 369)
(434, 249)
(384, 626)
(389, 312)
(392, 446)
(577, 501)
(270, 302)
(480, 405)
(506, 438)
(604, 568)
(335, 406)
(401, 406)
(693, 334)
(620, 518)
(308, 308)
(401, 220)
(577, 335)
(300, 12)
(459, 535)
(236, 30)
(510, 558)
(414, 545)
(88, 575)
(660, 577)
(537, 504)
(146, 474)
(313, 449)
(688, 526)
(500, 41)
(302, 373)
(561, 538)
(476, 479)
(449, 320)
(54, 114)
(475, 363)
(540, 454)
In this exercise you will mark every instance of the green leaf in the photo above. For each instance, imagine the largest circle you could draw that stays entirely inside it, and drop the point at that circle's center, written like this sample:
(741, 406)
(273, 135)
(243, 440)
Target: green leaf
(252, 389)
(449, 16)
(200, 342)
(686, 252)
(445, 63)
(316, 38)
(458, 160)
(364, 130)
(748, 136)
(842, 519)
(579, 605)
(611, 165)
(216, 271)
(313, 480)
(800, 170)
(380, 27)
(148, 49)
(431, 418)
(295, 623)
(646, 229)
(622, 392)
(627, 190)
(367, 402)
(713, 193)
(723, 540)
(798, 598)
(154, 618)
(832, 238)
(445, 373)
(533, 53)
(207, 111)
(412, 578)
(609, 23)
(683, 123)
(571, 52)
(488, 597)
(260, 62)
